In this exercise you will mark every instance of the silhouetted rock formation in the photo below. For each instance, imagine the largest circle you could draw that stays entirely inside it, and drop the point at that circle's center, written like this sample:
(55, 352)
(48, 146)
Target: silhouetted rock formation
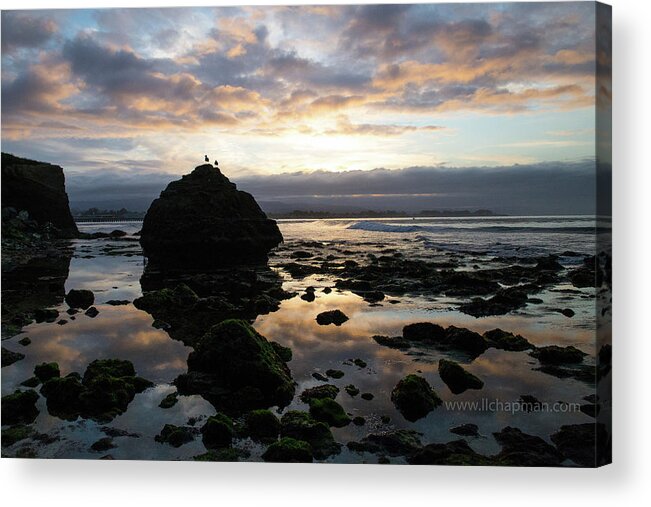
(203, 220)
(39, 189)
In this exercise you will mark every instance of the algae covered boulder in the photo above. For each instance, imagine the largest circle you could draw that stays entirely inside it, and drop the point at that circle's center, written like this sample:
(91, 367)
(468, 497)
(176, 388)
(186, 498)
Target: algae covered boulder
(176, 436)
(414, 397)
(236, 368)
(203, 220)
(288, 450)
(105, 391)
(217, 431)
(262, 425)
(302, 426)
(19, 407)
(329, 411)
(46, 371)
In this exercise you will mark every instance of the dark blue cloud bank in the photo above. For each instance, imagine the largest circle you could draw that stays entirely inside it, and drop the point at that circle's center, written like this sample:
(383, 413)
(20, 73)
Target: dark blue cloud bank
(538, 189)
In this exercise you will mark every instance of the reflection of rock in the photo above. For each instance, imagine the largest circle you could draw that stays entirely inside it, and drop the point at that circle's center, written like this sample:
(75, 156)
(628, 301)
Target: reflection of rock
(29, 290)
(235, 368)
(202, 219)
(39, 189)
(190, 302)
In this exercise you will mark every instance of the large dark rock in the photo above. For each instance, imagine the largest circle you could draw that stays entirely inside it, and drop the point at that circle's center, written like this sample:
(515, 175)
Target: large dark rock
(456, 378)
(235, 368)
(38, 188)
(414, 397)
(203, 220)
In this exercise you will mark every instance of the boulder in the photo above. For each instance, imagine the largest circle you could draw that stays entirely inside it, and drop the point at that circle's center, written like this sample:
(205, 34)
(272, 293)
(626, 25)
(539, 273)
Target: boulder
(302, 426)
(288, 450)
(329, 411)
(19, 407)
(320, 391)
(104, 392)
(555, 355)
(414, 397)
(176, 436)
(521, 449)
(504, 340)
(217, 431)
(581, 442)
(80, 298)
(9, 357)
(390, 443)
(236, 368)
(456, 378)
(262, 425)
(336, 317)
(457, 452)
(39, 189)
(202, 219)
(46, 371)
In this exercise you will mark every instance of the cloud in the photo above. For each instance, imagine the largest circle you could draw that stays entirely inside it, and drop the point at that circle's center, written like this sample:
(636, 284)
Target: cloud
(345, 127)
(21, 30)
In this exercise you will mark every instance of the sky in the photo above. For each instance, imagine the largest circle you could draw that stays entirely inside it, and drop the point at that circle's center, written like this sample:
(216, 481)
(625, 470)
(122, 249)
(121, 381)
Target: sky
(128, 99)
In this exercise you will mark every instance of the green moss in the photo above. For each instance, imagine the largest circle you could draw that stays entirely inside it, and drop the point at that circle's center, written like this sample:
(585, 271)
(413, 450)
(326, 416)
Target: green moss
(320, 391)
(334, 373)
(217, 431)
(227, 454)
(351, 390)
(46, 371)
(30, 382)
(285, 353)
(288, 450)
(414, 397)
(15, 434)
(169, 401)
(262, 425)
(301, 426)
(176, 436)
(19, 407)
(329, 411)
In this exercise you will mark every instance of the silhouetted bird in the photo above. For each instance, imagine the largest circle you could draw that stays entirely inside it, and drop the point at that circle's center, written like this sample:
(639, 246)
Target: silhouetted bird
(216, 163)
(205, 158)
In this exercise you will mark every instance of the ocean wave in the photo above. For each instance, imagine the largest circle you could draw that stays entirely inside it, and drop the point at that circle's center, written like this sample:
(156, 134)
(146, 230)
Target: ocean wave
(375, 226)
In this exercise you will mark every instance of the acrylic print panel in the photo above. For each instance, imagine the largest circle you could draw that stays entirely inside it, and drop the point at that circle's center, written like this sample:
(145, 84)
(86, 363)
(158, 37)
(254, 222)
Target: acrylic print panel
(344, 234)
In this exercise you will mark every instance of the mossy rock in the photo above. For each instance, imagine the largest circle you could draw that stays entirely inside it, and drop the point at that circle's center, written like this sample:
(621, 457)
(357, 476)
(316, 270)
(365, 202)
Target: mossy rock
(457, 378)
(46, 371)
(351, 390)
(169, 401)
(390, 443)
(457, 452)
(320, 391)
(414, 397)
(31, 382)
(288, 450)
(19, 407)
(301, 426)
(285, 353)
(336, 374)
(217, 431)
(105, 391)
(10, 357)
(504, 340)
(236, 368)
(329, 411)
(15, 434)
(228, 454)
(176, 436)
(262, 425)
(555, 355)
